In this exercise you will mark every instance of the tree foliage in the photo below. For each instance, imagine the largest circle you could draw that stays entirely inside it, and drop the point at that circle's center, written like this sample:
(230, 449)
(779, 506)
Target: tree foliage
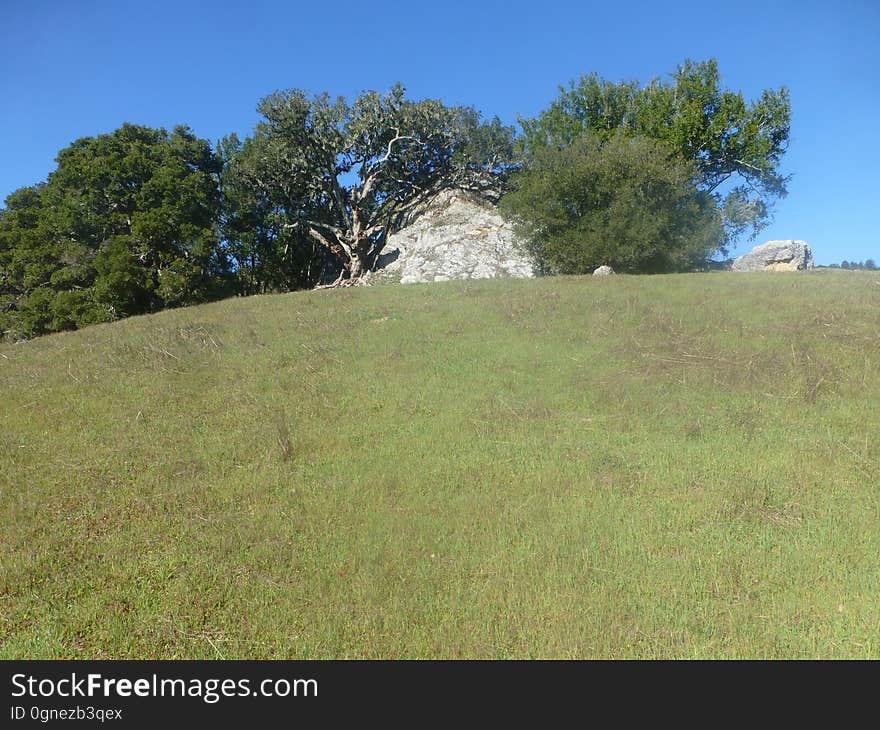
(140, 219)
(630, 203)
(268, 249)
(735, 146)
(867, 265)
(126, 224)
(324, 176)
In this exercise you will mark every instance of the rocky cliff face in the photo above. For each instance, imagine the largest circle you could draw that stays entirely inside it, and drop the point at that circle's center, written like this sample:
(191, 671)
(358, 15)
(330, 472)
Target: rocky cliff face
(457, 236)
(776, 256)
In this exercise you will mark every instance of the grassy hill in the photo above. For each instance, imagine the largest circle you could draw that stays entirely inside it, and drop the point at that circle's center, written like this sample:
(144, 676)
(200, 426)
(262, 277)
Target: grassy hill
(667, 466)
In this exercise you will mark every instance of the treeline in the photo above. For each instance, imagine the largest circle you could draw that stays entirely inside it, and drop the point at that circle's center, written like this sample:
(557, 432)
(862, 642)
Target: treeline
(867, 265)
(141, 219)
(644, 178)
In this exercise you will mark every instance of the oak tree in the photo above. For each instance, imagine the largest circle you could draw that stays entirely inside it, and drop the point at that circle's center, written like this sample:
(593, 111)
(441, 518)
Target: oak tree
(342, 176)
(736, 146)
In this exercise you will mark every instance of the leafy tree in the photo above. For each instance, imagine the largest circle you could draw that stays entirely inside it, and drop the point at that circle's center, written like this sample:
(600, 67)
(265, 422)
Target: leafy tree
(154, 195)
(34, 264)
(630, 203)
(259, 226)
(870, 265)
(735, 146)
(28, 255)
(127, 223)
(342, 176)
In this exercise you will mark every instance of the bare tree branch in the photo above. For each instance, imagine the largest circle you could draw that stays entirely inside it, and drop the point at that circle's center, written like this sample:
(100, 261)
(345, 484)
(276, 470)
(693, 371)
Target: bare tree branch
(339, 197)
(336, 230)
(373, 168)
(746, 164)
(332, 246)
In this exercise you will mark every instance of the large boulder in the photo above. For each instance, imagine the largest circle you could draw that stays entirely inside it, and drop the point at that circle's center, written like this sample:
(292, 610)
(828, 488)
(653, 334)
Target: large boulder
(776, 256)
(457, 235)
(603, 271)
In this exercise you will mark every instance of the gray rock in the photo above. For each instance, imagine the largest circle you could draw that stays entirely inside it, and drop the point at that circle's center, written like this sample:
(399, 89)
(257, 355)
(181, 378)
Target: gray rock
(603, 271)
(456, 236)
(776, 256)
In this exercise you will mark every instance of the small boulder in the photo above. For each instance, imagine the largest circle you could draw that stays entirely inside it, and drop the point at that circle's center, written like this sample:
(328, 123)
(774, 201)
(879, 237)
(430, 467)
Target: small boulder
(776, 256)
(603, 271)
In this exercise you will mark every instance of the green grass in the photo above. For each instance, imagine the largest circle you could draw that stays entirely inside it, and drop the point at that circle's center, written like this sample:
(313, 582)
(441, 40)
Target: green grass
(657, 467)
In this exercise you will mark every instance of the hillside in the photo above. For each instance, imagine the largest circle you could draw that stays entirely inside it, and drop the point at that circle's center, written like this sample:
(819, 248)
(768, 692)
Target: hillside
(666, 466)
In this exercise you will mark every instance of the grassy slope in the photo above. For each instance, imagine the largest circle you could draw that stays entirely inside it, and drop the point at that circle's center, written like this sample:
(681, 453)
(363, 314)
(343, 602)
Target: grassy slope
(669, 466)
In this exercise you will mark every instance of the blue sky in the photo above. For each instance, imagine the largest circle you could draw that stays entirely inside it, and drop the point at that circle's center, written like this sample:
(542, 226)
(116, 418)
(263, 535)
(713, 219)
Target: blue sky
(71, 69)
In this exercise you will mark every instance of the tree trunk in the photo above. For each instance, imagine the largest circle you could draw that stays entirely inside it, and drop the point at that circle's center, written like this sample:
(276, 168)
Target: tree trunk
(355, 268)
(352, 244)
(359, 263)
(361, 242)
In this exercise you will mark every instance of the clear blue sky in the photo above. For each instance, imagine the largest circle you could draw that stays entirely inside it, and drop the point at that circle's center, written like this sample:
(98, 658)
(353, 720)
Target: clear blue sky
(73, 69)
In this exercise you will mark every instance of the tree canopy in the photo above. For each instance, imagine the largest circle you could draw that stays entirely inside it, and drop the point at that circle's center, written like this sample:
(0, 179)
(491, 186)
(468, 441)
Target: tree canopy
(126, 224)
(645, 178)
(735, 146)
(630, 203)
(322, 175)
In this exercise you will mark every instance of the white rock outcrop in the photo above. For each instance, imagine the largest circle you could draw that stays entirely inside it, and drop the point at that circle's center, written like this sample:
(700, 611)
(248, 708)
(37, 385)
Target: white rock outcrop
(457, 236)
(776, 256)
(603, 271)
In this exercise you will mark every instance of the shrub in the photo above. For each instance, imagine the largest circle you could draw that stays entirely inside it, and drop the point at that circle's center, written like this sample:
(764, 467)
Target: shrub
(629, 203)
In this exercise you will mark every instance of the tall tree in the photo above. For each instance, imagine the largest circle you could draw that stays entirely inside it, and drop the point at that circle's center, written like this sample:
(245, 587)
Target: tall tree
(736, 147)
(259, 225)
(344, 175)
(126, 224)
(146, 197)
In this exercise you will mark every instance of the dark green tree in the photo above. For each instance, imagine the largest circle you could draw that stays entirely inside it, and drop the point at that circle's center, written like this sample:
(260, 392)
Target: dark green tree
(630, 203)
(44, 277)
(735, 146)
(259, 224)
(343, 176)
(153, 195)
(126, 224)
(29, 254)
